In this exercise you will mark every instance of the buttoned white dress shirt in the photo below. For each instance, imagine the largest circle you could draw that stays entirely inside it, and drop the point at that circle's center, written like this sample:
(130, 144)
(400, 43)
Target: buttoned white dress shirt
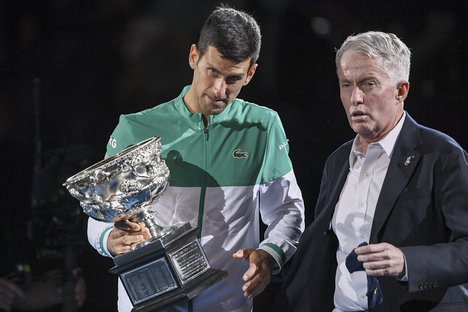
(354, 214)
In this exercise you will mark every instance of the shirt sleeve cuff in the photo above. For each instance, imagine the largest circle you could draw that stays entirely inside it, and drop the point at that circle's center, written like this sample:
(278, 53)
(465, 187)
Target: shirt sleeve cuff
(277, 254)
(404, 278)
(102, 248)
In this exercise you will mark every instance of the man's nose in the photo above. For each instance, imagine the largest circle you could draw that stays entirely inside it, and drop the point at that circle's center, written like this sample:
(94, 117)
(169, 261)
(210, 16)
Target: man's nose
(357, 96)
(219, 88)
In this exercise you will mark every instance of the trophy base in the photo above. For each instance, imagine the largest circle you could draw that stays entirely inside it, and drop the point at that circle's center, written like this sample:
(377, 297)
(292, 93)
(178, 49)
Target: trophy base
(183, 294)
(170, 269)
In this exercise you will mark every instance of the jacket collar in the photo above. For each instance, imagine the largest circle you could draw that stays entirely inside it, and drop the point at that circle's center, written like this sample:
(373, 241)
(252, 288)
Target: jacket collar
(402, 165)
(197, 117)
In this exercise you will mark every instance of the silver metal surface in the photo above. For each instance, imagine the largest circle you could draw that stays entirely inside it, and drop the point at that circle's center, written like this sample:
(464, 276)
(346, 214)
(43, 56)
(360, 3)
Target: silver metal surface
(123, 186)
(170, 266)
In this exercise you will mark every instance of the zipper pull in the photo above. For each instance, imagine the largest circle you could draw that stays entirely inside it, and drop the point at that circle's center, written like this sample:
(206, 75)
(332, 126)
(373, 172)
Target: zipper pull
(205, 130)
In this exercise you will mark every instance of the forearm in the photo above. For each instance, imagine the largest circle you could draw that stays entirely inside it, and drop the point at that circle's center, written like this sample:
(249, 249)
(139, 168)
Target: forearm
(282, 210)
(98, 233)
(439, 265)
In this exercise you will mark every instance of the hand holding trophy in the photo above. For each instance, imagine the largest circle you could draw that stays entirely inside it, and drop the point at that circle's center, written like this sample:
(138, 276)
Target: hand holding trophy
(171, 265)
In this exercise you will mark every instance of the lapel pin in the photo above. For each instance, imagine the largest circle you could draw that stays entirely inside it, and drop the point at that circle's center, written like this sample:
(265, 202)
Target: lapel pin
(408, 160)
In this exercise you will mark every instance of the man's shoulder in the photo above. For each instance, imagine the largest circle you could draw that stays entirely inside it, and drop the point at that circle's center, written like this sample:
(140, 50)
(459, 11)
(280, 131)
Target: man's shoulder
(431, 139)
(135, 127)
(252, 110)
(343, 149)
(340, 154)
(436, 137)
(152, 112)
(253, 106)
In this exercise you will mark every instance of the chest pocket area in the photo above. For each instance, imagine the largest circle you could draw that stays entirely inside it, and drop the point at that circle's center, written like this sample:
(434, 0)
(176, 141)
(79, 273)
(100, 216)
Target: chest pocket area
(413, 213)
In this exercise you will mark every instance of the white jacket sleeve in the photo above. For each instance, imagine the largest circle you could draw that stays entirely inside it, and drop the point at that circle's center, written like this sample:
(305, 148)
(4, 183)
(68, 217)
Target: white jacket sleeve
(282, 210)
(98, 232)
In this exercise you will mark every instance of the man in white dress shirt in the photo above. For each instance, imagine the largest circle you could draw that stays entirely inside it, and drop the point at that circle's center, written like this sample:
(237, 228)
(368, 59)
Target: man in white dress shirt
(398, 187)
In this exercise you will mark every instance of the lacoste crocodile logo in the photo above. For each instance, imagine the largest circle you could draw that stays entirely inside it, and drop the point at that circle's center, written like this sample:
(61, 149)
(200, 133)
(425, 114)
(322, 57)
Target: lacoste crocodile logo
(239, 154)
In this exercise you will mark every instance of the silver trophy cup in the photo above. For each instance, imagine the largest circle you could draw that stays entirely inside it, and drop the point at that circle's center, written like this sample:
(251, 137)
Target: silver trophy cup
(169, 267)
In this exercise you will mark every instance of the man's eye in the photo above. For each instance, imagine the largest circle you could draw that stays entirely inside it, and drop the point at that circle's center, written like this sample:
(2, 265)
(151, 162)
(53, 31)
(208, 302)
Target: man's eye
(212, 71)
(368, 85)
(232, 80)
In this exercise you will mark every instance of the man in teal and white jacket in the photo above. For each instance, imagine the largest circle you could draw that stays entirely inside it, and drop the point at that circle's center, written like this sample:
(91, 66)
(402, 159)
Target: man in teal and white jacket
(229, 166)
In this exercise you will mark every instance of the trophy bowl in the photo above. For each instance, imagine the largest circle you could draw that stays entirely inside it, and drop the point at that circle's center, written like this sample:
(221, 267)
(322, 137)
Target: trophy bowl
(123, 186)
(169, 267)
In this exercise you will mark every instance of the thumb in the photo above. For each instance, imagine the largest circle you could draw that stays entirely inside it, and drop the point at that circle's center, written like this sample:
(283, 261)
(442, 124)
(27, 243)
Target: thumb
(243, 253)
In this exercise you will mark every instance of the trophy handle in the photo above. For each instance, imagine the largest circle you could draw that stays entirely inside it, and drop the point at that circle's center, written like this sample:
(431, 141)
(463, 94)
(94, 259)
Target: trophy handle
(155, 229)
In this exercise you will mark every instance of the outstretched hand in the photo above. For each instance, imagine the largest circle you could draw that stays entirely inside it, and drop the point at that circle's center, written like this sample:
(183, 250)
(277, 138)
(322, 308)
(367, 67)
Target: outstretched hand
(258, 275)
(122, 241)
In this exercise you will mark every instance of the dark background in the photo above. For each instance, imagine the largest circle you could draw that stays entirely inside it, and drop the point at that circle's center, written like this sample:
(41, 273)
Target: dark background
(69, 68)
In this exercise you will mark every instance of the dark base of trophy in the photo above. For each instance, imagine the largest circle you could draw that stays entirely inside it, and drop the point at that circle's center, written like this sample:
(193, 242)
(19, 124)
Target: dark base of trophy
(170, 269)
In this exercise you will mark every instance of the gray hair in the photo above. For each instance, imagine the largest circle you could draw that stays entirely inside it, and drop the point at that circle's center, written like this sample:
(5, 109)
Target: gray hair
(375, 44)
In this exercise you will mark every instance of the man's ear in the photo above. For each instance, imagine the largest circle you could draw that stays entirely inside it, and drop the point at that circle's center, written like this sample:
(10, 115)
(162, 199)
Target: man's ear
(193, 56)
(402, 91)
(250, 74)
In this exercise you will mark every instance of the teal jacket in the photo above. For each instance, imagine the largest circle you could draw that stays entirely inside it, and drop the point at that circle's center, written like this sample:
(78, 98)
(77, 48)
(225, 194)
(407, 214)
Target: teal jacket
(223, 178)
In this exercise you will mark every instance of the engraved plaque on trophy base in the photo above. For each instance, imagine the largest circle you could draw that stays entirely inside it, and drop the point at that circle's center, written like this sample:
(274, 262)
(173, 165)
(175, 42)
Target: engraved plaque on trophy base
(166, 270)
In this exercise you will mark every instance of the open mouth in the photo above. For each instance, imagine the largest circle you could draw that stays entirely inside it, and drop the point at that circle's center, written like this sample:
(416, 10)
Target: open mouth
(358, 114)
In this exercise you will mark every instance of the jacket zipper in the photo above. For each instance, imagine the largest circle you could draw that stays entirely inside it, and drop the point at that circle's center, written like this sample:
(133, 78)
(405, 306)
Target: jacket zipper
(201, 205)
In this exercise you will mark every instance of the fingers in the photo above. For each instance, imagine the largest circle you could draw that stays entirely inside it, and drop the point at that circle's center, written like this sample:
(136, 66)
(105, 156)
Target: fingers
(381, 259)
(120, 242)
(258, 275)
(250, 273)
(382, 268)
(243, 253)
(145, 232)
(129, 226)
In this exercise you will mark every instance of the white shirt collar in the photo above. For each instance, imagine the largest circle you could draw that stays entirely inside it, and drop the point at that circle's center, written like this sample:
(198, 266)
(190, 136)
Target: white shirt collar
(387, 143)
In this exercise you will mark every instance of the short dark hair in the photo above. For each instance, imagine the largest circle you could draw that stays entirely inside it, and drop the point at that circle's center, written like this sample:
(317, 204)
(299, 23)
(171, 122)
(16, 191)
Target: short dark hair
(234, 33)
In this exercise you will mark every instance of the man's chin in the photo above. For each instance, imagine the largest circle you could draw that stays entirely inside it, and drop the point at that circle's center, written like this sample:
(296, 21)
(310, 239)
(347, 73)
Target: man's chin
(362, 130)
(218, 110)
